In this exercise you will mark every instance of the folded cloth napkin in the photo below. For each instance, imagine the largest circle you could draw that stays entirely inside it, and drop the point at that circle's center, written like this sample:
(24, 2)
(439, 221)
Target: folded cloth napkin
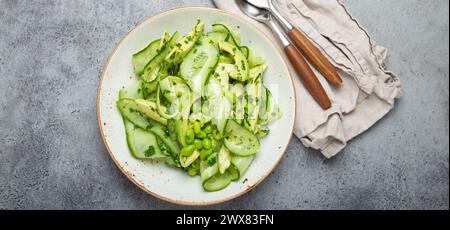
(368, 92)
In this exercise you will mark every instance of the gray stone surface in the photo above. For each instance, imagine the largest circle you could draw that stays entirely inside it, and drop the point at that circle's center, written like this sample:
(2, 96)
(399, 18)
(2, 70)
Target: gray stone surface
(52, 155)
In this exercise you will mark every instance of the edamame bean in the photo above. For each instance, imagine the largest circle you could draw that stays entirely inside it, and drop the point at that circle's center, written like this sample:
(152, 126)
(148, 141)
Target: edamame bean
(188, 150)
(214, 144)
(201, 135)
(206, 143)
(190, 136)
(208, 129)
(205, 153)
(198, 144)
(197, 127)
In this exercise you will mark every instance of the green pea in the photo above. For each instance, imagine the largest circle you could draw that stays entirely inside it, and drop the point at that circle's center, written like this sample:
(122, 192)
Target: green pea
(205, 153)
(214, 144)
(198, 144)
(190, 136)
(206, 143)
(201, 135)
(188, 150)
(197, 127)
(208, 129)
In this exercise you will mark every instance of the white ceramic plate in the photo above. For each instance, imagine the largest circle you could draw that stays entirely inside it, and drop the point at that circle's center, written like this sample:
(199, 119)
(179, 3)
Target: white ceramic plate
(158, 179)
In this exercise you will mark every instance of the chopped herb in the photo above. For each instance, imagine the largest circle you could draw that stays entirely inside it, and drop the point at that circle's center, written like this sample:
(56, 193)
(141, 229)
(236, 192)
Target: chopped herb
(243, 65)
(150, 126)
(212, 159)
(164, 149)
(150, 151)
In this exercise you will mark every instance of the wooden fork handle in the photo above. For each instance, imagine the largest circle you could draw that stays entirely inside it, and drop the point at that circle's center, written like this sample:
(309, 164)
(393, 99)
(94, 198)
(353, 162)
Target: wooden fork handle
(315, 57)
(308, 77)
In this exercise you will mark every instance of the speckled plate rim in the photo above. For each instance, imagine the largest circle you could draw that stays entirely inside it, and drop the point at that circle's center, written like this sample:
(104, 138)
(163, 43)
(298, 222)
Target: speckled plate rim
(130, 177)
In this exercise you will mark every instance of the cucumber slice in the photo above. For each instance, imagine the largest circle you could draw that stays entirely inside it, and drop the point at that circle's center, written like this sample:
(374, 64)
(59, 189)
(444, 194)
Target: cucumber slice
(224, 159)
(219, 107)
(142, 144)
(172, 130)
(185, 45)
(234, 172)
(238, 95)
(239, 140)
(228, 48)
(262, 102)
(134, 91)
(143, 57)
(273, 111)
(241, 63)
(218, 182)
(182, 127)
(233, 36)
(242, 164)
(254, 92)
(225, 60)
(222, 77)
(165, 38)
(229, 69)
(263, 131)
(167, 89)
(213, 89)
(149, 88)
(129, 110)
(148, 108)
(152, 68)
(222, 112)
(246, 51)
(198, 66)
(216, 37)
(254, 59)
(207, 171)
(163, 134)
(172, 163)
(176, 88)
(257, 72)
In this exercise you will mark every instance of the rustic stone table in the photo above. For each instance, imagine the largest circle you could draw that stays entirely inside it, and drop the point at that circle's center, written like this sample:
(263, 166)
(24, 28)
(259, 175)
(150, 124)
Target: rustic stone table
(52, 155)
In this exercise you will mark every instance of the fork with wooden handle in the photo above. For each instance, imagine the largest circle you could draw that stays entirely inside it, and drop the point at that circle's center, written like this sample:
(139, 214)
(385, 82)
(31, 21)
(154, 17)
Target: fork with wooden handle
(310, 80)
(312, 53)
(315, 57)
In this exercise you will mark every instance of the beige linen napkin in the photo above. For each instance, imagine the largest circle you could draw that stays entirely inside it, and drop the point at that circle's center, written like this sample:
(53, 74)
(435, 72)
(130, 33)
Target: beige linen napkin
(369, 90)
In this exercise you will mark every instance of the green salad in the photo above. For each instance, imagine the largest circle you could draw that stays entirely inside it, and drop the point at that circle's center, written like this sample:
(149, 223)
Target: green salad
(200, 104)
